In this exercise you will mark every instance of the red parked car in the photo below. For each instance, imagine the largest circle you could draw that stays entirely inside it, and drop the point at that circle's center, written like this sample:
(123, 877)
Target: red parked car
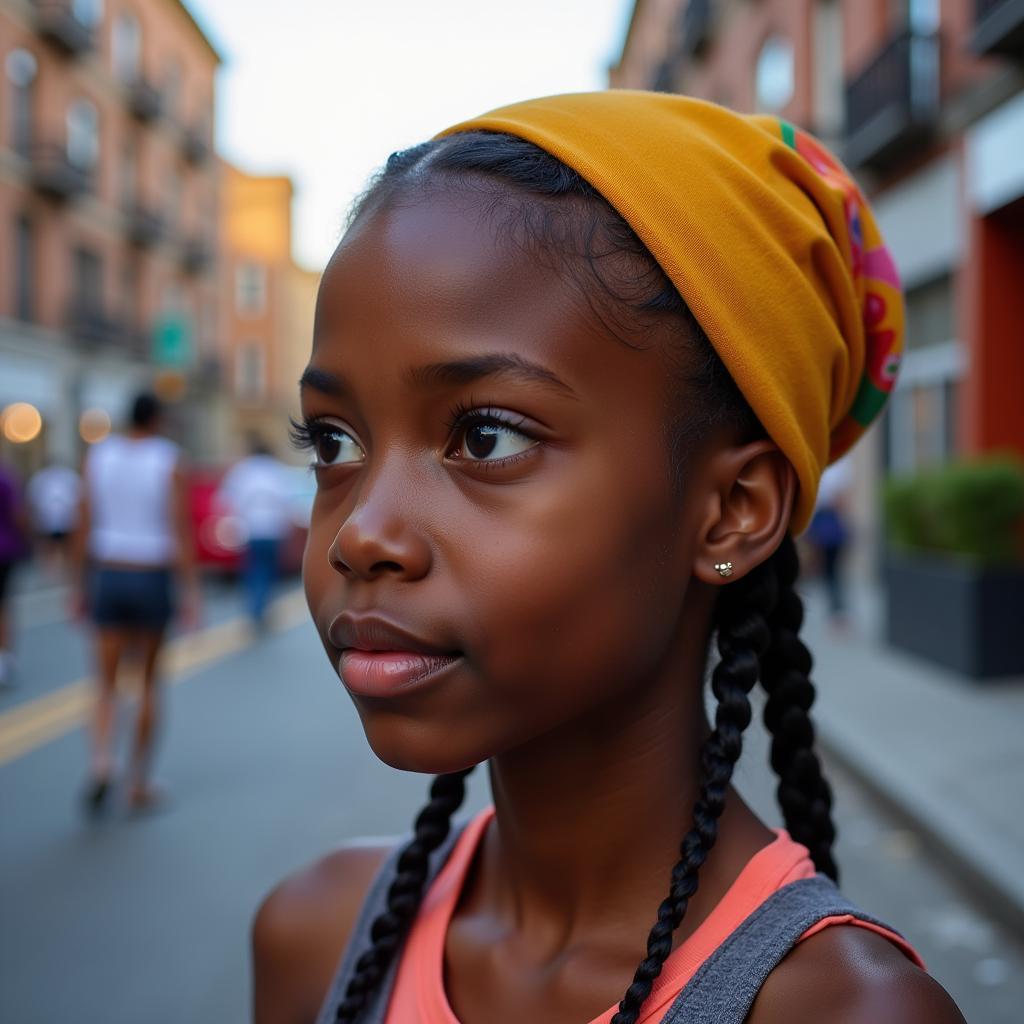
(220, 537)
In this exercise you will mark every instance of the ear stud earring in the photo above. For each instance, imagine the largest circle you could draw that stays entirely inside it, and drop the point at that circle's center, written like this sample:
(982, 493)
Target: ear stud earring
(724, 568)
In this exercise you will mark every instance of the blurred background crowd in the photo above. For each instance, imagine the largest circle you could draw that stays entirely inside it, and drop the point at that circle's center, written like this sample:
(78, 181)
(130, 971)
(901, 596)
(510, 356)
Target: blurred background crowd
(145, 248)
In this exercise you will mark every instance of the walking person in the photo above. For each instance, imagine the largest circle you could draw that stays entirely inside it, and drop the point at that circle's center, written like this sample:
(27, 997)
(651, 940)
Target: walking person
(829, 532)
(134, 537)
(256, 489)
(14, 530)
(54, 494)
(577, 367)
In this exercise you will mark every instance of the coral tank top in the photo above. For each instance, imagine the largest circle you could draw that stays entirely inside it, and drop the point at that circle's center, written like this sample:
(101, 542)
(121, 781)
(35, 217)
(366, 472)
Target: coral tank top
(419, 995)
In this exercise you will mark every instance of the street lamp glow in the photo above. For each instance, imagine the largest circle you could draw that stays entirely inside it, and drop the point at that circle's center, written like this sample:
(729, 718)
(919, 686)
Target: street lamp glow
(22, 422)
(93, 425)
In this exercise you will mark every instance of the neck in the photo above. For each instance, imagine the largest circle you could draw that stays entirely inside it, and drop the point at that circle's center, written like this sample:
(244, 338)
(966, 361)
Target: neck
(589, 821)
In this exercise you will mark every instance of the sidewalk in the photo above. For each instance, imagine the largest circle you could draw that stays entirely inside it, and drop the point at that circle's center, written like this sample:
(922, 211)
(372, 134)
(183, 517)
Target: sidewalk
(945, 751)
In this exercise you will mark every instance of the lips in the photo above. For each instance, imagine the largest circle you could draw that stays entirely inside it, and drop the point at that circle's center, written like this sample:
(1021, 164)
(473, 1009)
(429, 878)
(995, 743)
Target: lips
(380, 659)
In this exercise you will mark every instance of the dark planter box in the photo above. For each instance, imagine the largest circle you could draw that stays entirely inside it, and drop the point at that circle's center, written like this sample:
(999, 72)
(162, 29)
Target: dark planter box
(964, 617)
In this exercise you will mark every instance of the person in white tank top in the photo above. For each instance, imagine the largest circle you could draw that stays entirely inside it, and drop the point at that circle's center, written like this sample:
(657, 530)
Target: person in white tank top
(134, 535)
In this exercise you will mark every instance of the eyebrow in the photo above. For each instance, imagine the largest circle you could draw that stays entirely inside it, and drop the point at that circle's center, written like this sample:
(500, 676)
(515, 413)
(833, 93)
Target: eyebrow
(451, 373)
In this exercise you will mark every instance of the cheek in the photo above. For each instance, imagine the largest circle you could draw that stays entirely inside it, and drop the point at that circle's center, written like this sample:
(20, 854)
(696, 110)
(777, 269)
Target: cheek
(577, 602)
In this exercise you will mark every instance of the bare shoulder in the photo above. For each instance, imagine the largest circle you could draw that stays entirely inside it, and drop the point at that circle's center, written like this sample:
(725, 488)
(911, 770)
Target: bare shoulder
(300, 932)
(850, 975)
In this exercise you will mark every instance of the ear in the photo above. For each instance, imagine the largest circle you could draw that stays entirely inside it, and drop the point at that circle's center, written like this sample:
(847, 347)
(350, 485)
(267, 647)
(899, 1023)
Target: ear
(750, 495)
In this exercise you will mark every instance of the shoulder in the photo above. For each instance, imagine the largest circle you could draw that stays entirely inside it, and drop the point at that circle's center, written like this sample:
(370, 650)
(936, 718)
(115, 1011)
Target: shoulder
(850, 975)
(300, 931)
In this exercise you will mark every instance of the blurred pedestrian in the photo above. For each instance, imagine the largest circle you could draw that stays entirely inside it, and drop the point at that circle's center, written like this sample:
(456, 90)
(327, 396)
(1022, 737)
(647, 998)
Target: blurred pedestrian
(134, 534)
(256, 490)
(14, 530)
(54, 494)
(829, 533)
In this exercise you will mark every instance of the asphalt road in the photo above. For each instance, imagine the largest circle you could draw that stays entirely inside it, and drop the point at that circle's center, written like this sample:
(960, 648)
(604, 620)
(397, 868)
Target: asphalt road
(146, 918)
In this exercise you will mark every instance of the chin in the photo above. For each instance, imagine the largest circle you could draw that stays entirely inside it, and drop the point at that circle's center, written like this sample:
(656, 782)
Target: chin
(411, 746)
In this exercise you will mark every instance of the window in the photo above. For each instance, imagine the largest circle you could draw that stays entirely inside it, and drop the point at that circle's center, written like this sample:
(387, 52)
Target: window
(21, 69)
(129, 173)
(827, 68)
(930, 313)
(250, 370)
(87, 280)
(774, 74)
(250, 288)
(88, 12)
(24, 266)
(923, 16)
(83, 135)
(126, 47)
(921, 426)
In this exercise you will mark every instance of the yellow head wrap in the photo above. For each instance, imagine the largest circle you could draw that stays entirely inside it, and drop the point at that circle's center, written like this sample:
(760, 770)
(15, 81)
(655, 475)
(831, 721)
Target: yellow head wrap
(768, 240)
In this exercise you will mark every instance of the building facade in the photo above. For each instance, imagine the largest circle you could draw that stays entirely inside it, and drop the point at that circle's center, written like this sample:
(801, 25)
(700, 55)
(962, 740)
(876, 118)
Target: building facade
(109, 201)
(924, 102)
(267, 307)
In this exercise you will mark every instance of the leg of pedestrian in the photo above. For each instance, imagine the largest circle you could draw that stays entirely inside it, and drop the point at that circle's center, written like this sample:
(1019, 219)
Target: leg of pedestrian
(110, 645)
(141, 793)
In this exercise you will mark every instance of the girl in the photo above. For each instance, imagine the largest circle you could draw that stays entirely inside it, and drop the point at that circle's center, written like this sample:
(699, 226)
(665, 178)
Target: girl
(578, 365)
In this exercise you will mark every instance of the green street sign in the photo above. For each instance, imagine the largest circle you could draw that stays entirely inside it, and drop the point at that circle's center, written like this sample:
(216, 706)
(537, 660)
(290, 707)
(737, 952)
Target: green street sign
(172, 340)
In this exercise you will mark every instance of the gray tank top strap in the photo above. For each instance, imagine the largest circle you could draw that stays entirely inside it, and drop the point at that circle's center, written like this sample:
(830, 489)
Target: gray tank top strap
(374, 904)
(724, 987)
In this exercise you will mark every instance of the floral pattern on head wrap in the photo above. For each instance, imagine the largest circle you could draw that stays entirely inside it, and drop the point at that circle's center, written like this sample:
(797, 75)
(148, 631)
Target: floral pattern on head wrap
(878, 285)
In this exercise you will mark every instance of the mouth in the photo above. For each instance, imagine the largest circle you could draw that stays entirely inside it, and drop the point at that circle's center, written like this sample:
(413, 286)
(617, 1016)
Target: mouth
(387, 673)
(380, 658)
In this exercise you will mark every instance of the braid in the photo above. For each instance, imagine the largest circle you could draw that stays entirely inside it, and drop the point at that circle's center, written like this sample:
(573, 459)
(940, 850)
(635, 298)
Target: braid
(803, 793)
(387, 931)
(743, 635)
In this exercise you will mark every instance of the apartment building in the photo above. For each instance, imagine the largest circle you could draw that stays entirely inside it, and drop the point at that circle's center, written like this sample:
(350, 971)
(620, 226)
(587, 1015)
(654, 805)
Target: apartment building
(924, 102)
(109, 208)
(268, 302)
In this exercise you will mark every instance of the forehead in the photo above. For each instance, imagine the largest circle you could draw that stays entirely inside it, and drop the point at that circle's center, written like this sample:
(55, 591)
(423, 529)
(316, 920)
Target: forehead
(444, 276)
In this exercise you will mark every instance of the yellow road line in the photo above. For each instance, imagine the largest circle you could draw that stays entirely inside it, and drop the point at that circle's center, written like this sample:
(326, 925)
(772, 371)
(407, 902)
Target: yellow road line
(30, 725)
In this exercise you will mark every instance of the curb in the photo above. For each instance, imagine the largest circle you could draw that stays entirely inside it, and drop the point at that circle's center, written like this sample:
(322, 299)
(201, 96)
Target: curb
(1001, 902)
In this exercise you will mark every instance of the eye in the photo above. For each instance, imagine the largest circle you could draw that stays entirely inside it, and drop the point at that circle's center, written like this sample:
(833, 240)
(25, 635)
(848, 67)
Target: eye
(329, 444)
(484, 436)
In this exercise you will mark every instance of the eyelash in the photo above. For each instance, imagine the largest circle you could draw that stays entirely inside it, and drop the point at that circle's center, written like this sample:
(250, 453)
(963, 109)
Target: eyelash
(304, 434)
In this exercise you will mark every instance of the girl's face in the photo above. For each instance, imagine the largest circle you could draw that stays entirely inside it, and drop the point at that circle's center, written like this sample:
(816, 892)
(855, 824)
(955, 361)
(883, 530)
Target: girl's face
(493, 480)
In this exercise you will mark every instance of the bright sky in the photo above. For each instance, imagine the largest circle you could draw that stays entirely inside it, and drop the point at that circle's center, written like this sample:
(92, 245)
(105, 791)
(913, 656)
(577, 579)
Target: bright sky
(325, 90)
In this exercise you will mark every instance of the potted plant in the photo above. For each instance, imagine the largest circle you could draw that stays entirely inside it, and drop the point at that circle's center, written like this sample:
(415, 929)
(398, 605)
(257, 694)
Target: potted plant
(954, 564)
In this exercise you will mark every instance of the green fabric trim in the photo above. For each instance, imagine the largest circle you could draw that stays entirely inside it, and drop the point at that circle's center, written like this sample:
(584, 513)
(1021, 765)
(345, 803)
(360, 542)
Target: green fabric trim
(868, 403)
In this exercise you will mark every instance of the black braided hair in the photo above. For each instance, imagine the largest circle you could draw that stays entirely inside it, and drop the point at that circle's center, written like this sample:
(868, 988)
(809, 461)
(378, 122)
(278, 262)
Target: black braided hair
(756, 619)
(406, 892)
(803, 793)
(741, 624)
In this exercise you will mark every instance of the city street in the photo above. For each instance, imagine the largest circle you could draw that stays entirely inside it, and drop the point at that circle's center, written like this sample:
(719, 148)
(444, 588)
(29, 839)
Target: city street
(146, 918)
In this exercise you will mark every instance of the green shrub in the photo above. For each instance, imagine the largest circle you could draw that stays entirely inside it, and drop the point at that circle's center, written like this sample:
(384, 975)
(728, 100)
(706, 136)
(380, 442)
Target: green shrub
(971, 508)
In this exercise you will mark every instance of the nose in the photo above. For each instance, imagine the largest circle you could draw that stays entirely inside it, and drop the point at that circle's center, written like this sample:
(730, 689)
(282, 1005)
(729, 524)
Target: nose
(379, 536)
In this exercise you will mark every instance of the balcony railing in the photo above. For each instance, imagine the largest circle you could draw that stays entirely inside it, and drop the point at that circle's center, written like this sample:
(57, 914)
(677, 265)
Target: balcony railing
(998, 27)
(196, 255)
(54, 175)
(665, 76)
(144, 99)
(145, 225)
(892, 105)
(57, 22)
(194, 146)
(696, 27)
(88, 323)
